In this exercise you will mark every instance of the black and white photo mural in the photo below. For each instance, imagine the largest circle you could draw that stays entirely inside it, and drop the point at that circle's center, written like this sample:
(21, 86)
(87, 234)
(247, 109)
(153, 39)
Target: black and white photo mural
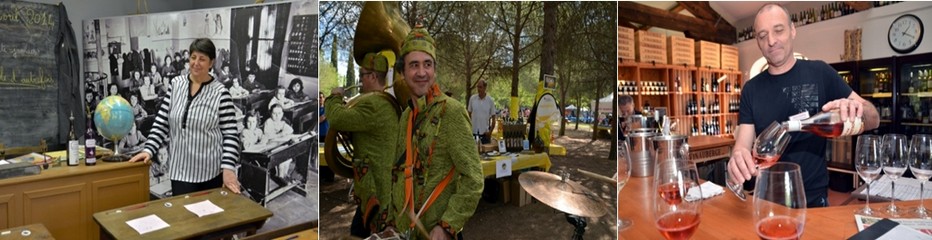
(265, 57)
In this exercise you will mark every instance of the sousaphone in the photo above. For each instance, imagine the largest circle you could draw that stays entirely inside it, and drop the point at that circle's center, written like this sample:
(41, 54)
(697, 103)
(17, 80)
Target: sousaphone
(380, 29)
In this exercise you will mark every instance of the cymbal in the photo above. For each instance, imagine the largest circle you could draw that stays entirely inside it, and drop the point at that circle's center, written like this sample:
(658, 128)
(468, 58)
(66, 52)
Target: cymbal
(568, 196)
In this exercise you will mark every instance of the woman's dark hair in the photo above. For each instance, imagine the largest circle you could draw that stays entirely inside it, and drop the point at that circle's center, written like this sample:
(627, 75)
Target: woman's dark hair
(204, 46)
(296, 81)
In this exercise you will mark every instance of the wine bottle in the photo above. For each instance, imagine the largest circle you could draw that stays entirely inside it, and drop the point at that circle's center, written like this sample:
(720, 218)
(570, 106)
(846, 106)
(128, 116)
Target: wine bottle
(825, 124)
(72, 143)
(90, 144)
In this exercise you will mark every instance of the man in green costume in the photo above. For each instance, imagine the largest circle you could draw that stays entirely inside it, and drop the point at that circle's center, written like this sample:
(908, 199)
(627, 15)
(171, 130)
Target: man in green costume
(372, 119)
(437, 181)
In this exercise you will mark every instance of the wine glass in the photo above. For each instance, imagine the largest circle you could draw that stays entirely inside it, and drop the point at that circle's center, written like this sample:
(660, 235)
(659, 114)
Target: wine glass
(920, 163)
(780, 202)
(868, 164)
(624, 172)
(768, 146)
(893, 155)
(675, 217)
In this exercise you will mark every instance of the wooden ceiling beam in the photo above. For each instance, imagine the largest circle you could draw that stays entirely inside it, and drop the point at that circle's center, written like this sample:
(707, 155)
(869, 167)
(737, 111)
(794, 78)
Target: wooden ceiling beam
(704, 11)
(626, 24)
(698, 28)
(675, 9)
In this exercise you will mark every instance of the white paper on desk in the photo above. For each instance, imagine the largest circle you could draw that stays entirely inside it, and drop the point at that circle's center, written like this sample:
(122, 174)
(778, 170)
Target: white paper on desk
(2, 162)
(502, 168)
(906, 188)
(203, 208)
(147, 224)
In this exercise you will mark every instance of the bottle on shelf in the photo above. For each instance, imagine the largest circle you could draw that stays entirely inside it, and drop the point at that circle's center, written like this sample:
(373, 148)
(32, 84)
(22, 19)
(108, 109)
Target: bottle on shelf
(676, 85)
(692, 88)
(702, 105)
(72, 143)
(824, 124)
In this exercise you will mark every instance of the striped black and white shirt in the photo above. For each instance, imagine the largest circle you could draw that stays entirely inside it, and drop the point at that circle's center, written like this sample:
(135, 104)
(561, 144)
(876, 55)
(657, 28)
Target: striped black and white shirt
(201, 130)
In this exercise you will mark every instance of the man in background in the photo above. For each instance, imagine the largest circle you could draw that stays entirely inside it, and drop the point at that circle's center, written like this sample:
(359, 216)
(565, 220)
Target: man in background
(481, 112)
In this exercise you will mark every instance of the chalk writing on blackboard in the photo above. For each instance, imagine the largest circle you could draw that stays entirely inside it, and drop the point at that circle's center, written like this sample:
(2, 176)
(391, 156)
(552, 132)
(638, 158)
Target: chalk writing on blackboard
(13, 79)
(27, 15)
(18, 51)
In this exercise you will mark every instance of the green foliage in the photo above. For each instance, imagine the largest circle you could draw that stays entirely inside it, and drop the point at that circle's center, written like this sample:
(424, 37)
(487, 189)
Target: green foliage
(329, 78)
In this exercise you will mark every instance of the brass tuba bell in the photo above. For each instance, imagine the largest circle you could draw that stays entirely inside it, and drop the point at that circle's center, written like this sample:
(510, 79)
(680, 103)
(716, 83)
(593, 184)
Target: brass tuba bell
(380, 29)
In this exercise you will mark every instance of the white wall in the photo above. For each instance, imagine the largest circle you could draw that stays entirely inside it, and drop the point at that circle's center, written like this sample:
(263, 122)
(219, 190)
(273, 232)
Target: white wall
(198, 4)
(825, 40)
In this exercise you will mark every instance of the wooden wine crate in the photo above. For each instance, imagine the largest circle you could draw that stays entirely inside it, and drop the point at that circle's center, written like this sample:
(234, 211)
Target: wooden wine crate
(651, 47)
(626, 43)
(708, 54)
(729, 57)
(681, 50)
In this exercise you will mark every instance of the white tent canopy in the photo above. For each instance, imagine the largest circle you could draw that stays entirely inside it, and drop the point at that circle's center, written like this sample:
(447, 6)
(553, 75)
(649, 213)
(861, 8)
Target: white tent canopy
(605, 104)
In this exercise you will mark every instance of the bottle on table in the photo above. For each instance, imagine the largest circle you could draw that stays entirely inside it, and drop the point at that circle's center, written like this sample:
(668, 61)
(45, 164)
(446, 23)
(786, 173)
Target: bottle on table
(90, 144)
(72, 143)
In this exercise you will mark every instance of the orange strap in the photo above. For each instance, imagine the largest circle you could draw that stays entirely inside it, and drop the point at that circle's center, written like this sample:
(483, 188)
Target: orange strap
(439, 189)
(409, 161)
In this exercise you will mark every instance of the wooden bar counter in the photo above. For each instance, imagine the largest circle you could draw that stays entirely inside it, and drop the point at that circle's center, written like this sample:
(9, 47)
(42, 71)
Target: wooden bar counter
(727, 217)
(708, 148)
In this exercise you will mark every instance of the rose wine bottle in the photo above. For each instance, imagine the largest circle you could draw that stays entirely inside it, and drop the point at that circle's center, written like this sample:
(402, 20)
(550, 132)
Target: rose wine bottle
(825, 124)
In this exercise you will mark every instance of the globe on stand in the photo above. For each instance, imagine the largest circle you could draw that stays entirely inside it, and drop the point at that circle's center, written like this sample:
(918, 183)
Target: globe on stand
(114, 119)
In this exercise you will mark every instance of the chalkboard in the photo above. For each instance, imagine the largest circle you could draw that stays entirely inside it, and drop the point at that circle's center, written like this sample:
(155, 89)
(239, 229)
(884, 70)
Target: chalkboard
(29, 90)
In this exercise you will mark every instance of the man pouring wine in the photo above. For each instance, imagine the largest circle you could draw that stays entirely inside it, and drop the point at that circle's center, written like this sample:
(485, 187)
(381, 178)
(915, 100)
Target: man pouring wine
(793, 89)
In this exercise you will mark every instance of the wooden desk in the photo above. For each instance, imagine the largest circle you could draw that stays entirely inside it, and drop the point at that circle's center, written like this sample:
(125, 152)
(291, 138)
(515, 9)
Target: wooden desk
(255, 174)
(707, 148)
(64, 198)
(35, 231)
(240, 215)
(727, 217)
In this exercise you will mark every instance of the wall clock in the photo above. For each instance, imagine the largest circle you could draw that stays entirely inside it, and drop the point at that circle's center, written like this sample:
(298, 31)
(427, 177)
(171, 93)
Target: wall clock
(905, 33)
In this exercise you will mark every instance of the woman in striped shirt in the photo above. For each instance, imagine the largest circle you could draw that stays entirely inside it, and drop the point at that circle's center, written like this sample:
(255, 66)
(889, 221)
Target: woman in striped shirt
(198, 118)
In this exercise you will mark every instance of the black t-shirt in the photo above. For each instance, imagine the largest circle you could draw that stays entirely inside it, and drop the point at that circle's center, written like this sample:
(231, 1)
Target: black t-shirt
(806, 87)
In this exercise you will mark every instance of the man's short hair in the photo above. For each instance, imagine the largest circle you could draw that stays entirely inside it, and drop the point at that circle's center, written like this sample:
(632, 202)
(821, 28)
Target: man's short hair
(625, 100)
(773, 5)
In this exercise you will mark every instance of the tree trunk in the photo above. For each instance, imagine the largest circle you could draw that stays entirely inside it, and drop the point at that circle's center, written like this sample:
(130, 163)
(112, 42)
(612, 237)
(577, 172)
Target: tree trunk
(595, 117)
(350, 75)
(333, 53)
(614, 150)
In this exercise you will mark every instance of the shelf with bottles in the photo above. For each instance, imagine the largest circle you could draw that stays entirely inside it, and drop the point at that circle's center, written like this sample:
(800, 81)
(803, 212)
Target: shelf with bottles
(877, 82)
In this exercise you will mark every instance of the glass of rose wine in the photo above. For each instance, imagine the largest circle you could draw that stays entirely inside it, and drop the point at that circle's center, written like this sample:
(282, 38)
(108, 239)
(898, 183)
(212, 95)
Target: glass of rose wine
(675, 217)
(868, 164)
(920, 163)
(780, 202)
(624, 172)
(893, 155)
(768, 146)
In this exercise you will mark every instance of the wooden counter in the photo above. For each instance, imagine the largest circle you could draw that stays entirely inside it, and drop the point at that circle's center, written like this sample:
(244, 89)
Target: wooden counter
(727, 217)
(707, 148)
(64, 198)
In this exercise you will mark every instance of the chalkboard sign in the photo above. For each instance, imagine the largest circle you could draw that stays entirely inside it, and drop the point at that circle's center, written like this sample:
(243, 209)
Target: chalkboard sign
(29, 91)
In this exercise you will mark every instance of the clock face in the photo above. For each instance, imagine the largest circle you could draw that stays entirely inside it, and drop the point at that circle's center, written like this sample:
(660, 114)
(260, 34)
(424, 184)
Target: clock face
(905, 33)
